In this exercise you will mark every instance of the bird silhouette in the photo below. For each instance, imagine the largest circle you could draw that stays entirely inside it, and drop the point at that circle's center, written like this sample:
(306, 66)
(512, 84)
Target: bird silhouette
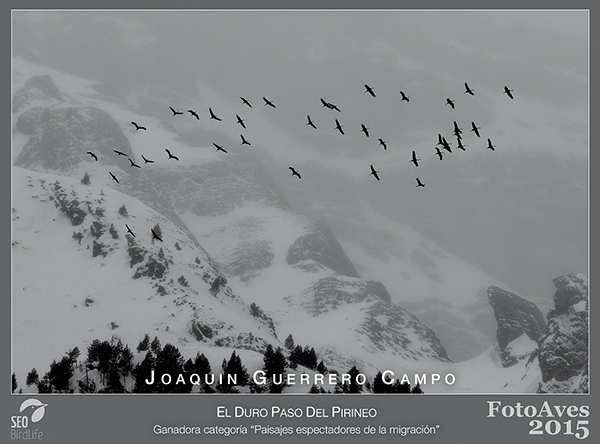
(374, 173)
(414, 159)
(147, 160)
(138, 127)
(129, 230)
(36, 407)
(404, 97)
(460, 144)
(295, 173)
(212, 115)
(338, 126)
(171, 156)
(457, 130)
(114, 177)
(450, 102)
(219, 148)
(508, 92)
(330, 105)
(438, 153)
(244, 141)
(475, 129)
(310, 122)
(154, 235)
(133, 164)
(364, 129)
(382, 143)
(240, 121)
(446, 145)
(246, 102)
(419, 183)
(93, 155)
(194, 113)
(175, 113)
(369, 90)
(469, 90)
(490, 146)
(268, 102)
(440, 140)
(120, 153)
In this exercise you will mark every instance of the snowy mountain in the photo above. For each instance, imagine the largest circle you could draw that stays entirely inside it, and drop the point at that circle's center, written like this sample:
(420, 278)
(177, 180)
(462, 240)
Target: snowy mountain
(237, 267)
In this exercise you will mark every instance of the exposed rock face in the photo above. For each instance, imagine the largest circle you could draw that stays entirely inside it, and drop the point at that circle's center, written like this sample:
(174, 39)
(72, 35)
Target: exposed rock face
(515, 317)
(563, 353)
(60, 136)
(321, 246)
(37, 88)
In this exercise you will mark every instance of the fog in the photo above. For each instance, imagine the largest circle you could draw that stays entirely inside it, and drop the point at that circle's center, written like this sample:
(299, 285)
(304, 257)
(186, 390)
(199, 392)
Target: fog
(518, 213)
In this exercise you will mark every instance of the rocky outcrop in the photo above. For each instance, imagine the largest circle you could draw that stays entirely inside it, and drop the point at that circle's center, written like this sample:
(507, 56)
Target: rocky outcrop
(518, 319)
(563, 352)
(320, 245)
(59, 137)
(40, 89)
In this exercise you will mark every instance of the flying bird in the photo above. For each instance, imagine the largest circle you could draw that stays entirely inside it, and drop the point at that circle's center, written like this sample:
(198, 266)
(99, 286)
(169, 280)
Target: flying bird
(460, 144)
(490, 146)
(446, 145)
(338, 126)
(194, 113)
(374, 173)
(329, 105)
(468, 90)
(219, 147)
(268, 102)
(138, 127)
(120, 153)
(129, 230)
(508, 92)
(147, 160)
(295, 173)
(414, 159)
(171, 156)
(457, 130)
(369, 90)
(310, 122)
(246, 102)
(175, 112)
(438, 153)
(364, 129)
(440, 140)
(240, 121)
(244, 141)
(114, 177)
(383, 144)
(93, 155)
(404, 97)
(133, 164)
(450, 102)
(419, 183)
(212, 115)
(475, 129)
(154, 235)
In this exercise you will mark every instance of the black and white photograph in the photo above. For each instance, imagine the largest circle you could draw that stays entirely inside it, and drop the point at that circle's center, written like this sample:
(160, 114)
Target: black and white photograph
(334, 202)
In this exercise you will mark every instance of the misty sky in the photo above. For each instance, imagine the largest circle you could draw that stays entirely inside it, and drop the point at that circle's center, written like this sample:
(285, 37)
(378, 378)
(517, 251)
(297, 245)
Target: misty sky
(211, 58)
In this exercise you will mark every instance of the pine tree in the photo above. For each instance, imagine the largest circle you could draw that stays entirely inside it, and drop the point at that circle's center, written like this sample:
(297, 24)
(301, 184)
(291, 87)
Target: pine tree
(123, 211)
(144, 344)
(274, 364)
(142, 372)
(169, 360)
(86, 179)
(289, 342)
(155, 345)
(32, 377)
(321, 368)
(354, 386)
(417, 389)
(234, 367)
(14, 382)
(379, 386)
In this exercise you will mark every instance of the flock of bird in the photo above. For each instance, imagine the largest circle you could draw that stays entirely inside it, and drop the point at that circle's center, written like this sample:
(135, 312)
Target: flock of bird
(442, 142)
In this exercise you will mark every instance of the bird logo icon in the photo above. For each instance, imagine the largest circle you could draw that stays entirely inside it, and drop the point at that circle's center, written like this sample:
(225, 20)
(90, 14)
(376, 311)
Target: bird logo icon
(35, 407)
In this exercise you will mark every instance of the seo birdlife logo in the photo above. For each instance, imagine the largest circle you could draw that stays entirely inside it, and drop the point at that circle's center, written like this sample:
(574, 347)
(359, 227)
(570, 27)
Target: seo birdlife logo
(32, 410)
